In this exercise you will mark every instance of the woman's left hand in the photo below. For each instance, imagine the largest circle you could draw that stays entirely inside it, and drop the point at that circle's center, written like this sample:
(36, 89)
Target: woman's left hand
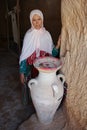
(58, 42)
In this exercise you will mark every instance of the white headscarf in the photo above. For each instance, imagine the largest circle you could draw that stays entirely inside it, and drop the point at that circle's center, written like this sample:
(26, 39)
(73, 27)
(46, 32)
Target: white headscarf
(36, 40)
(38, 12)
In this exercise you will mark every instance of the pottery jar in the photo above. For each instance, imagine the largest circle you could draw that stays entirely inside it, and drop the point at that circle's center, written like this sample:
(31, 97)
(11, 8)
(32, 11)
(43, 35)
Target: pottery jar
(47, 89)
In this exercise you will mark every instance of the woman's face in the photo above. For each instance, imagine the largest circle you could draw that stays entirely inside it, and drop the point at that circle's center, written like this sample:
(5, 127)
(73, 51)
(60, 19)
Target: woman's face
(37, 21)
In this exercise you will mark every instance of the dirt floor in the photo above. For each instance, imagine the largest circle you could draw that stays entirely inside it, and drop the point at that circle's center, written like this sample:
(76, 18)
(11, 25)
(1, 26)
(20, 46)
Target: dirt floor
(12, 111)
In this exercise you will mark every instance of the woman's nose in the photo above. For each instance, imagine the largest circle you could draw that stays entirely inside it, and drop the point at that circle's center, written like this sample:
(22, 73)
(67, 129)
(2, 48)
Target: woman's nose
(37, 21)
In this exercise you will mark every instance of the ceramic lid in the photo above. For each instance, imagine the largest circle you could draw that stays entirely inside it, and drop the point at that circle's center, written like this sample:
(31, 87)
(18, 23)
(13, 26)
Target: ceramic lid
(47, 64)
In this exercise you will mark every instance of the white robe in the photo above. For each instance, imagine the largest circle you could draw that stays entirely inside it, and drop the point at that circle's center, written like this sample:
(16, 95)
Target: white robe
(36, 40)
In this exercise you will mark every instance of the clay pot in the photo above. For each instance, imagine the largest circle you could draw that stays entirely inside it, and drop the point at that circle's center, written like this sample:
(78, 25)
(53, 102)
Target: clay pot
(47, 88)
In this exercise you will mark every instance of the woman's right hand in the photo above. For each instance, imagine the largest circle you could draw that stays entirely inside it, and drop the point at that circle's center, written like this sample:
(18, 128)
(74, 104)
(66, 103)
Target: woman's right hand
(22, 78)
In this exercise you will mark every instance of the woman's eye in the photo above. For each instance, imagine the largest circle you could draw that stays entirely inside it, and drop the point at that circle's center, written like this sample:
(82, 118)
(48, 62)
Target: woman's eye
(33, 20)
(39, 19)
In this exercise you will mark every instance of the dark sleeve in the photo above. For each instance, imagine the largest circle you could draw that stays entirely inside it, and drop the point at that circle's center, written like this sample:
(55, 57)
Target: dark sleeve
(56, 52)
(25, 68)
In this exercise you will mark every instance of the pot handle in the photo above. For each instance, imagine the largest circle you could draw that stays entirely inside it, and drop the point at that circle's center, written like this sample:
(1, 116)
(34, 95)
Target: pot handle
(55, 90)
(61, 76)
(32, 82)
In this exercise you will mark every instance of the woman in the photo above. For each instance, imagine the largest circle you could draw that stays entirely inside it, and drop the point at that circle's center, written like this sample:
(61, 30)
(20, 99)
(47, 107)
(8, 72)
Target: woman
(37, 43)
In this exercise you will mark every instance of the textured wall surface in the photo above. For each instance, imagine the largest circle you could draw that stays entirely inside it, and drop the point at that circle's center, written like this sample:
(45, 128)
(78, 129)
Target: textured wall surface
(74, 50)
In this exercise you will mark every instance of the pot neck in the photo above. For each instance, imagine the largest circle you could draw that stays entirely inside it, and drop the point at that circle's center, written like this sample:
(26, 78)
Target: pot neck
(47, 74)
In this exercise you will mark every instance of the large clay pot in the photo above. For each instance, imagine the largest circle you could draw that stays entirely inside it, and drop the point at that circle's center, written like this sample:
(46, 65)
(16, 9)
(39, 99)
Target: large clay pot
(47, 89)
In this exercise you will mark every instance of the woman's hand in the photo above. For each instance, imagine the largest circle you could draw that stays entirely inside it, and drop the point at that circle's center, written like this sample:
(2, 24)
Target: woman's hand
(58, 42)
(22, 78)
